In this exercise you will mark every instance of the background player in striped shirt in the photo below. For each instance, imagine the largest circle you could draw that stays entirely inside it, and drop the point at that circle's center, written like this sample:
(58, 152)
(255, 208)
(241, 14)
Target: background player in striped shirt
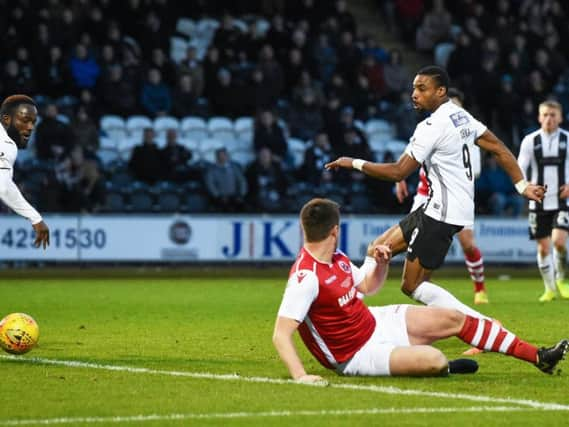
(18, 114)
(544, 154)
(472, 255)
(343, 334)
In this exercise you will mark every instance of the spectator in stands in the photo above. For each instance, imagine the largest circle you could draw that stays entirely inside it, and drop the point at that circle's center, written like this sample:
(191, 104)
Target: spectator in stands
(307, 84)
(293, 69)
(191, 65)
(269, 134)
(212, 64)
(227, 99)
(119, 94)
(13, 81)
(226, 183)
(324, 56)
(349, 57)
(184, 97)
(266, 182)
(85, 133)
(175, 158)
(53, 74)
(331, 111)
(84, 68)
(26, 66)
(396, 76)
(409, 13)
(81, 182)
(153, 36)
(343, 16)
(278, 36)
(305, 118)
(145, 161)
(272, 73)
(155, 95)
(162, 63)
(226, 38)
(373, 72)
(363, 99)
(315, 157)
(496, 191)
(338, 130)
(53, 137)
(434, 28)
(507, 110)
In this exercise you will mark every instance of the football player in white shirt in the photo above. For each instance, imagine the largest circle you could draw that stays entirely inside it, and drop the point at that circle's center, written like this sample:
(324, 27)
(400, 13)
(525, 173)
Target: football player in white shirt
(344, 335)
(442, 144)
(472, 255)
(544, 153)
(18, 114)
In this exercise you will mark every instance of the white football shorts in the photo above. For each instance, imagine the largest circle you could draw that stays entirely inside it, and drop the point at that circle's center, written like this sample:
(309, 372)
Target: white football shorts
(390, 332)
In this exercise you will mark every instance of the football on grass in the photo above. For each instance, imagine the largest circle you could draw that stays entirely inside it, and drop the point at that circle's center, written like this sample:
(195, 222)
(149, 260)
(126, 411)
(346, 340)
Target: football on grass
(19, 333)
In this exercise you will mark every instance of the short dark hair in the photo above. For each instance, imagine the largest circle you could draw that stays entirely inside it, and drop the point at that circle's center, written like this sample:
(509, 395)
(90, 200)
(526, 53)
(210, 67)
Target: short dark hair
(453, 92)
(10, 104)
(438, 74)
(318, 217)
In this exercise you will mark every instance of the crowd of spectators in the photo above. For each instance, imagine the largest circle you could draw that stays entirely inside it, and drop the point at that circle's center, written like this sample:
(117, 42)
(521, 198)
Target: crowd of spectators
(309, 74)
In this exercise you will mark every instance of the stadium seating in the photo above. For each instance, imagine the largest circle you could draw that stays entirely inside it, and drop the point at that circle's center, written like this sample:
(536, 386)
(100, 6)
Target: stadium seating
(193, 127)
(113, 127)
(168, 202)
(244, 129)
(114, 202)
(208, 148)
(221, 128)
(162, 124)
(378, 129)
(296, 148)
(186, 26)
(178, 48)
(141, 201)
(135, 125)
(196, 202)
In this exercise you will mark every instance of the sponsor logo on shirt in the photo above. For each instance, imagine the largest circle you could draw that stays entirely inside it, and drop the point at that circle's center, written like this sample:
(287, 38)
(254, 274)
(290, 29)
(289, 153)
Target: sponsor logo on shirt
(459, 119)
(330, 279)
(346, 283)
(345, 267)
(344, 299)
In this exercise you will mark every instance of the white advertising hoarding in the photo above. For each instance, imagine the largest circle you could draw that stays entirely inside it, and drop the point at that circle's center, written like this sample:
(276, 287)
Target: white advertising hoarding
(197, 238)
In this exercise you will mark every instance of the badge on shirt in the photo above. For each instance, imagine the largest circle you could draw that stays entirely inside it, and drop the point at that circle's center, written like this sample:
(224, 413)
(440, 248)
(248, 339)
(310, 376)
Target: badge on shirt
(459, 119)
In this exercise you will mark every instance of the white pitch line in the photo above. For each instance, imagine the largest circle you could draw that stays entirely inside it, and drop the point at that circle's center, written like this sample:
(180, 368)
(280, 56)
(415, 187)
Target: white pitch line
(235, 377)
(228, 415)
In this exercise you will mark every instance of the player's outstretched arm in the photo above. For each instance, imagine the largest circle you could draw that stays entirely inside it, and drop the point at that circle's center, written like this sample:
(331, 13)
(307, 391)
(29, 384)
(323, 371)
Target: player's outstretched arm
(282, 340)
(385, 171)
(489, 142)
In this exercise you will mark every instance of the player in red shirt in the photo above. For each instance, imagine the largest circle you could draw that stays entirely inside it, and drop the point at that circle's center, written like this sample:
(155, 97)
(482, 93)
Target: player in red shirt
(342, 333)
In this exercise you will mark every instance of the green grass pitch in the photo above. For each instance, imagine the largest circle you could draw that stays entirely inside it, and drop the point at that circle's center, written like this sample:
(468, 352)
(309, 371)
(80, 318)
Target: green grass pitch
(189, 351)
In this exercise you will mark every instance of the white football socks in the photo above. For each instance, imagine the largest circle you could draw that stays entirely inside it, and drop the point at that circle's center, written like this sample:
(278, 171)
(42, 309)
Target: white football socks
(432, 295)
(545, 265)
(560, 262)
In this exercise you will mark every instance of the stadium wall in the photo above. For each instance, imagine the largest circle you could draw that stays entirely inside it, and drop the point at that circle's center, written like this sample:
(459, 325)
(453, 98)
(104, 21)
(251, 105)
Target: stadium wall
(224, 238)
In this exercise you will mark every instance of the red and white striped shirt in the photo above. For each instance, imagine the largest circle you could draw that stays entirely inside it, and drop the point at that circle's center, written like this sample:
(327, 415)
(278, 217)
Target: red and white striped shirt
(335, 324)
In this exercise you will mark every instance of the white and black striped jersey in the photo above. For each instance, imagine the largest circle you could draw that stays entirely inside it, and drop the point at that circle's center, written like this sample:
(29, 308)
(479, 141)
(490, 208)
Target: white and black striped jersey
(444, 143)
(543, 158)
(9, 192)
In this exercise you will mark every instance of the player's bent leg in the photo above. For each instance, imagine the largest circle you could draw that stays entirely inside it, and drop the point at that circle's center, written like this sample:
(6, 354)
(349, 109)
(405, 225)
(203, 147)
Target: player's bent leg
(392, 237)
(413, 275)
(418, 361)
(426, 325)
